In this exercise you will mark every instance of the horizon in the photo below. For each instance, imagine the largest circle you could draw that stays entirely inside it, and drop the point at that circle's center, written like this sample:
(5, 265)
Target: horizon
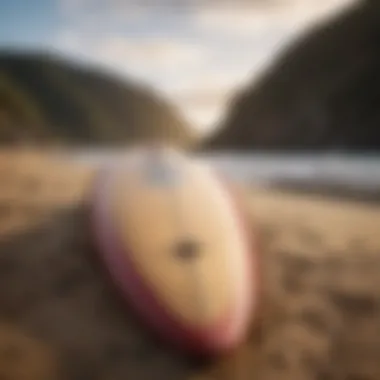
(196, 53)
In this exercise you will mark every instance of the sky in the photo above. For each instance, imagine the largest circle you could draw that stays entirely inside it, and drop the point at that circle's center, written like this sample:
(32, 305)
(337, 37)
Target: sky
(197, 52)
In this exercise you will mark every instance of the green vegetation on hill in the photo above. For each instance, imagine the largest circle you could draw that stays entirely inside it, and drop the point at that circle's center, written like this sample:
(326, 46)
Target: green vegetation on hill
(322, 92)
(45, 99)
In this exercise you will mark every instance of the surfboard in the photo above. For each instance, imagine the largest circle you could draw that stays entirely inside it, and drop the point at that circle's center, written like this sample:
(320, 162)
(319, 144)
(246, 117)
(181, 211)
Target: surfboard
(175, 243)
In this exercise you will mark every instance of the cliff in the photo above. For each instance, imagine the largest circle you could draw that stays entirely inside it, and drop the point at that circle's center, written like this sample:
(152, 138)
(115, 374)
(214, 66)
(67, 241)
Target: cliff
(322, 92)
(46, 99)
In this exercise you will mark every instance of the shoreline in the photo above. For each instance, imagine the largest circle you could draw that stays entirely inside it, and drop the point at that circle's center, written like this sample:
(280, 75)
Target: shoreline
(326, 190)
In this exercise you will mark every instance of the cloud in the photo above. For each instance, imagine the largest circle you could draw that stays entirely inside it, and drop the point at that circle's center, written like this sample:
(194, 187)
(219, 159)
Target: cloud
(152, 52)
(68, 40)
(101, 16)
(230, 16)
(250, 18)
(165, 63)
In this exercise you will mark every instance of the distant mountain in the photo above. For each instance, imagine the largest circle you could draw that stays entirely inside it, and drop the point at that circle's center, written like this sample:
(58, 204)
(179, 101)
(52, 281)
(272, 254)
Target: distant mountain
(46, 99)
(322, 92)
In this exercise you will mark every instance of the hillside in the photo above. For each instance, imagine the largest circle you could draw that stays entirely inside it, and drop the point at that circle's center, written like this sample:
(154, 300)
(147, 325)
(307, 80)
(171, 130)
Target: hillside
(46, 99)
(322, 92)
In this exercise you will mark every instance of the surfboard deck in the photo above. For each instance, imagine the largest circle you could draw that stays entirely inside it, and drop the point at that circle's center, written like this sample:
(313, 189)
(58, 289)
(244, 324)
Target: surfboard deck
(174, 242)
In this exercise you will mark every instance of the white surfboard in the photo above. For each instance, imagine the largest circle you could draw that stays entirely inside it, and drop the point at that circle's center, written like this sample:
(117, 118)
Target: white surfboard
(175, 243)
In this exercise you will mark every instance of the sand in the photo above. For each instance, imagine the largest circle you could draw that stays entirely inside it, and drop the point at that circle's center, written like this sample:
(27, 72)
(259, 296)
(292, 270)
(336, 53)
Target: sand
(61, 319)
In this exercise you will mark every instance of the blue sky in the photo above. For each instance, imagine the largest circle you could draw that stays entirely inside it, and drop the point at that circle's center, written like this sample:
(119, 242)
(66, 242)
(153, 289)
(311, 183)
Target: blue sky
(195, 52)
(28, 22)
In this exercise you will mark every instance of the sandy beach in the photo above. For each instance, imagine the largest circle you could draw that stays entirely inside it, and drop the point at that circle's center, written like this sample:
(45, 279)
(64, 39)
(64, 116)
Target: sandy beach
(64, 321)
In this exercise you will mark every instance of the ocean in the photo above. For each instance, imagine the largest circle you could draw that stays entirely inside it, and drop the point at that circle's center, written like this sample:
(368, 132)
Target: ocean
(354, 171)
